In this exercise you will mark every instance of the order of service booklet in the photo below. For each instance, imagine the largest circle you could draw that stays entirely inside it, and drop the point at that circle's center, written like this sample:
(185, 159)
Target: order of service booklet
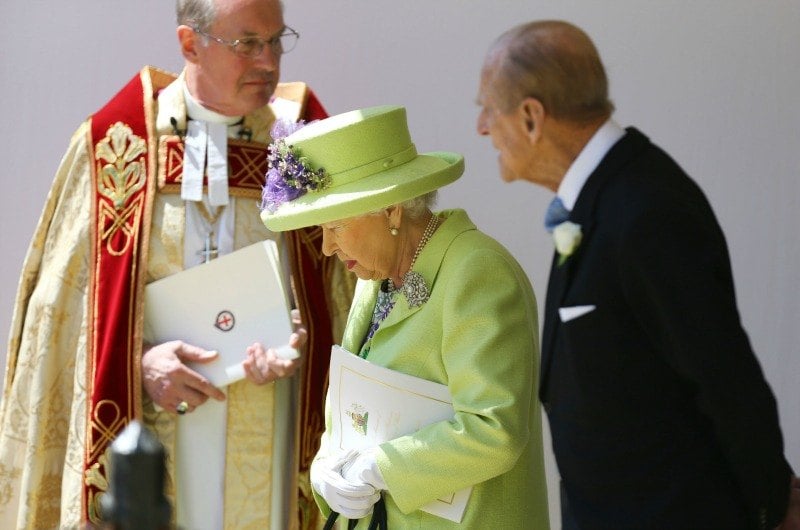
(225, 305)
(371, 404)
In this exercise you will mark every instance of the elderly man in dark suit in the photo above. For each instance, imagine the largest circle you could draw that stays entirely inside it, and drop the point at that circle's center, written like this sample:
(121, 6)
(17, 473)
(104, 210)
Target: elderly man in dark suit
(659, 411)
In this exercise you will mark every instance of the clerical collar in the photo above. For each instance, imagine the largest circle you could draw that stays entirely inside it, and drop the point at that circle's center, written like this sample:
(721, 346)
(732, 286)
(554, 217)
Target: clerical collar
(196, 111)
(587, 161)
(205, 152)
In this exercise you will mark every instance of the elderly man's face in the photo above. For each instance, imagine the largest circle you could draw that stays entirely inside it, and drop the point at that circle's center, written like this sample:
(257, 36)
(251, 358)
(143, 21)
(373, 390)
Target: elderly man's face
(229, 83)
(506, 129)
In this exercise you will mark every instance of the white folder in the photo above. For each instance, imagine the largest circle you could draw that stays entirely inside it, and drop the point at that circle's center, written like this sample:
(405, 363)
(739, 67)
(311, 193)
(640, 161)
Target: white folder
(371, 404)
(225, 305)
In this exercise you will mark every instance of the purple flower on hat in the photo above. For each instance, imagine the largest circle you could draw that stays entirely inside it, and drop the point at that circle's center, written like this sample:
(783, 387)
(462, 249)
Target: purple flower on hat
(283, 128)
(288, 174)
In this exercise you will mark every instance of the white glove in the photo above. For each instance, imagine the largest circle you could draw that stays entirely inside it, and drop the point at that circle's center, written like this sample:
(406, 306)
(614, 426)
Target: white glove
(362, 467)
(353, 500)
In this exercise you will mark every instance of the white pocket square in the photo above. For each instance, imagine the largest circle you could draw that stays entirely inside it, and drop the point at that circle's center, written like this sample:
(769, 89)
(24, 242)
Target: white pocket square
(571, 313)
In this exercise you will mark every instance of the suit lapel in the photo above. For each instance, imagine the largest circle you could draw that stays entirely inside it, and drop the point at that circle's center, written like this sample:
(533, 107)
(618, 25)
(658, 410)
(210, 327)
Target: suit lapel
(400, 312)
(583, 214)
(455, 222)
(360, 316)
(428, 263)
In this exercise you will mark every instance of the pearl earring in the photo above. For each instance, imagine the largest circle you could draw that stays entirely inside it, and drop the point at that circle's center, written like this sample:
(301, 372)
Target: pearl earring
(394, 231)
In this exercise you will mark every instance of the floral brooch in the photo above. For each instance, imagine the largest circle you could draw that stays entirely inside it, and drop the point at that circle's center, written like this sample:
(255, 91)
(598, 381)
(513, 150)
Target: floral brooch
(289, 174)
(567, 236)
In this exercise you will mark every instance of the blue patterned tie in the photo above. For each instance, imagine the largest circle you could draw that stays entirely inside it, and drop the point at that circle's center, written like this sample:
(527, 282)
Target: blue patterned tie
(556, 214)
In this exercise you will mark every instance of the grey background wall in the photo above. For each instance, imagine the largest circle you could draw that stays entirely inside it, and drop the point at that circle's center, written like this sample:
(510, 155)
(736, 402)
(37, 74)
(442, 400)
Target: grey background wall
(712, 81)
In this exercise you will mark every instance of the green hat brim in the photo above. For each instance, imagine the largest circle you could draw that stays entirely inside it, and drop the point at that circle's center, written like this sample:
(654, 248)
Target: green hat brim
(423, 174)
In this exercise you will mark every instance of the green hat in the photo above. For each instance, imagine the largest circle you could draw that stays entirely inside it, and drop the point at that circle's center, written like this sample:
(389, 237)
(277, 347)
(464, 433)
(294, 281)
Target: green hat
(349, 165)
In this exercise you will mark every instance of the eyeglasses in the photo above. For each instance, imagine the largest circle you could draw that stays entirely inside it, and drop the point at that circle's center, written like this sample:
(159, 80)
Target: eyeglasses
(254, 46)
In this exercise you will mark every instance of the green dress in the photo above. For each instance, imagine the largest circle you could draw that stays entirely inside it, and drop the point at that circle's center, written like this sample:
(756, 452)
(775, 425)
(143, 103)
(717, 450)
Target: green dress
(477, 334)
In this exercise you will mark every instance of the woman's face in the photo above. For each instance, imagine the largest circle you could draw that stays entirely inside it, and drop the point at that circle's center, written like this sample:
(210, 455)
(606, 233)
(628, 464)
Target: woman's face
(363, 244)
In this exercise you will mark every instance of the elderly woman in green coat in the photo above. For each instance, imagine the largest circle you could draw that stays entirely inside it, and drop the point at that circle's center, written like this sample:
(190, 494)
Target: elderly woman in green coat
(436, 299)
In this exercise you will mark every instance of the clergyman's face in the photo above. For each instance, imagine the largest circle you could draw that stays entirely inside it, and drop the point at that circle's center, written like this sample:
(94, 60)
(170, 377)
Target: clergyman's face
(229, 83)
(506, 129)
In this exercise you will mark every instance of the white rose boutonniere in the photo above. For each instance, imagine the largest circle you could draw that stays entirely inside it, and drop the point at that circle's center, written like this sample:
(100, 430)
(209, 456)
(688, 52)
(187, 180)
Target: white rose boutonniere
(567, 236)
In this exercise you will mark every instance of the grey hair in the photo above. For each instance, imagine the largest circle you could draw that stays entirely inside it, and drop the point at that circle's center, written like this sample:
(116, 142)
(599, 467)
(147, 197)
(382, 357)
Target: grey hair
(199, 14)
(418, 206)
(415, 208)
(556, 63)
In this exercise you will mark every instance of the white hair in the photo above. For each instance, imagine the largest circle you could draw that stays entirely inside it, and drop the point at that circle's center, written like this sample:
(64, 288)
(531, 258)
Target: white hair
(415, 208)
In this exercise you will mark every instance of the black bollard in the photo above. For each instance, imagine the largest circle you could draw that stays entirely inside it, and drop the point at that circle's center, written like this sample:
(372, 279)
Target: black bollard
(135, 500)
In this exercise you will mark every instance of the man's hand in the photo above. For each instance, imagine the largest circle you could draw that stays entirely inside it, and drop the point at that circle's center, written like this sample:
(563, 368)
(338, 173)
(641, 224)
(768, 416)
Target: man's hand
(265, 365)
(168, 381)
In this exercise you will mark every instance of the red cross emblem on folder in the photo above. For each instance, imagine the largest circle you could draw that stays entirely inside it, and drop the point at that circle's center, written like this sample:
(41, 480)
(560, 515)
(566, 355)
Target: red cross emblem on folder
(225, 321)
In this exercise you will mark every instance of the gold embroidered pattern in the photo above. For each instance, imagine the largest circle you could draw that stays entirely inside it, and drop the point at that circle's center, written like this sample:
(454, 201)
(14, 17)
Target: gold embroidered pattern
(248, 161)
(247, 166)
(46, 499)
(96, 476)
(170, 156)
(101, 434)
(8, 474)
(121, 174)
(311, 238)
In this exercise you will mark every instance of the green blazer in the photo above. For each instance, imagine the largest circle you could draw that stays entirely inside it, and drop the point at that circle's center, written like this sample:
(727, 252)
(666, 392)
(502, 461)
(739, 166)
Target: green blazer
(477, 334)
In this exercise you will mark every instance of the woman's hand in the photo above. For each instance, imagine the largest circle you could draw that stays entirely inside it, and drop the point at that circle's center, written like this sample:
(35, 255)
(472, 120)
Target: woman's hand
(352, 500)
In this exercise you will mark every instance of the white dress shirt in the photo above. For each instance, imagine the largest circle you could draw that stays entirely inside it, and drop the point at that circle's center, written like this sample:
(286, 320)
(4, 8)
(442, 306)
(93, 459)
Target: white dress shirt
(589, 158)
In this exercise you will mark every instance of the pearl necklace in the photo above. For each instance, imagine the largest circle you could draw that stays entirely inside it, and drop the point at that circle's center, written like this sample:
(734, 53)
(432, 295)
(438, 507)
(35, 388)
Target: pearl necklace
(414, 287)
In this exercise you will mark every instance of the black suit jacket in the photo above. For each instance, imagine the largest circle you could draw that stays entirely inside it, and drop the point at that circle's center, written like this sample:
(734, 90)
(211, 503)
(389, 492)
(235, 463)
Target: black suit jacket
(659, 411)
